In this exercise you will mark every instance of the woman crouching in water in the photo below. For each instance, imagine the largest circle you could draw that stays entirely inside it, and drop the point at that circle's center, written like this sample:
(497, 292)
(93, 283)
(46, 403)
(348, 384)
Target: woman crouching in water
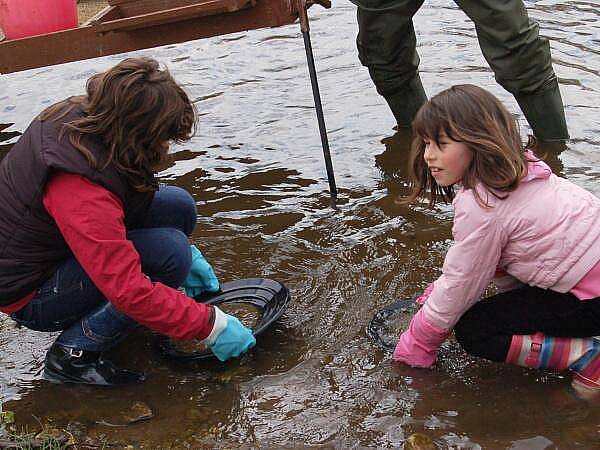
(89, 243)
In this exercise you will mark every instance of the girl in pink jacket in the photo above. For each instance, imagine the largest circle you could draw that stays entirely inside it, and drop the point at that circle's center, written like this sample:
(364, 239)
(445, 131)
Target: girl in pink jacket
(535, 234)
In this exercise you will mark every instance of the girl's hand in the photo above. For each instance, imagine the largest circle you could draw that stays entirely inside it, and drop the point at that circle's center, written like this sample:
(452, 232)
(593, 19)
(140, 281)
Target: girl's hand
(418, 345)
(426, 293)
(414, 353)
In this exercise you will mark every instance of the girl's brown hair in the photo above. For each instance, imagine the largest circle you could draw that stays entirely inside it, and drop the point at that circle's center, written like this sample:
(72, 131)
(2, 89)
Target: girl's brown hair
(473, 116)
(135, 108)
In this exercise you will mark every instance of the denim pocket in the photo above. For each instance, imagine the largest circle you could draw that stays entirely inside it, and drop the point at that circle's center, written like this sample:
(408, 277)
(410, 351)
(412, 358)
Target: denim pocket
(50, 287)
(51, 309)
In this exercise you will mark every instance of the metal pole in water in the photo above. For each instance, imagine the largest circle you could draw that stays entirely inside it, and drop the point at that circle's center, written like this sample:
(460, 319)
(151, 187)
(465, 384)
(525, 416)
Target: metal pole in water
(302, 10)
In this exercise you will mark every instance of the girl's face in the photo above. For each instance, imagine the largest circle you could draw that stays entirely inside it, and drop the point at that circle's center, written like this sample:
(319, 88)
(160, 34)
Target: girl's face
(447, 160)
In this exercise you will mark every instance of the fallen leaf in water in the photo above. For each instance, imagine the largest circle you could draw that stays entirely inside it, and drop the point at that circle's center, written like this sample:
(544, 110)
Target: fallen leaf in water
(137, 412)
(419, 441)
(228, 375)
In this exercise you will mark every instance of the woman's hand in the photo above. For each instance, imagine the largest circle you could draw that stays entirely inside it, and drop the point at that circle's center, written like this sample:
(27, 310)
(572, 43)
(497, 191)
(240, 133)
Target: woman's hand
(202, 277)
(234, 340)
(228, 338)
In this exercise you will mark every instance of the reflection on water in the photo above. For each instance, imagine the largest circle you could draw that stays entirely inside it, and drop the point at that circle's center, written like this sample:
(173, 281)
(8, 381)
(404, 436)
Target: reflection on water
(256, 171)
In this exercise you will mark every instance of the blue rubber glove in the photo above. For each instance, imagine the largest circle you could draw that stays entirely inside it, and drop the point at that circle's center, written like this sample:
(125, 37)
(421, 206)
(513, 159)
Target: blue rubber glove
(201, 278)
(229, 338)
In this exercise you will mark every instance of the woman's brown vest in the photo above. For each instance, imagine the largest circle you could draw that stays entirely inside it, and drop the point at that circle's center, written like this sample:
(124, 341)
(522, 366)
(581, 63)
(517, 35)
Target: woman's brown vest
(31, 245)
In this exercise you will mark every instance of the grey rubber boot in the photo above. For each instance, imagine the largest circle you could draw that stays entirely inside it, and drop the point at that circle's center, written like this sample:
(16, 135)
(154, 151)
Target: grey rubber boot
(405, 103)
(545, 113)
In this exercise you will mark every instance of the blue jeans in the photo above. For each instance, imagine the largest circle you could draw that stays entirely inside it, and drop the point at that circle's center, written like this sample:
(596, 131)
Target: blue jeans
(69, 300)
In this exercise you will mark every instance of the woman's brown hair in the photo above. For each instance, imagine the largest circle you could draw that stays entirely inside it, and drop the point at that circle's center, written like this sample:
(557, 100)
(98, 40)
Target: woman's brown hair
(135, 108)
(473, 116)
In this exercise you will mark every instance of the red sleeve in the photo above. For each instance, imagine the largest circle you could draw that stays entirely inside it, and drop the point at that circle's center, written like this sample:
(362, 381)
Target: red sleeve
(91, 220)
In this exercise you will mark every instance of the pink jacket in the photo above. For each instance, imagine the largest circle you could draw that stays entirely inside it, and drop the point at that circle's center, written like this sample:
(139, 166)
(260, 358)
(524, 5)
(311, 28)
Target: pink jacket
(545, 234)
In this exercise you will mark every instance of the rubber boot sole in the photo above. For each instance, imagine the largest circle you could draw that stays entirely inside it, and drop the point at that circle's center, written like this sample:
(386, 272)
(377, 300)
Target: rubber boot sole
(57, 378)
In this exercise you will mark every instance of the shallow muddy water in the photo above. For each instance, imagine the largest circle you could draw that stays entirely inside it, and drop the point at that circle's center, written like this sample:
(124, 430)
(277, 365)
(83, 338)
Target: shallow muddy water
(256, 171)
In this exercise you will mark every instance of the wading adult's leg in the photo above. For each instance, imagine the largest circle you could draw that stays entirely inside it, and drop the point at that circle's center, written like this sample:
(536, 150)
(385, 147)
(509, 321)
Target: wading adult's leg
(386, 44)
(521, 61)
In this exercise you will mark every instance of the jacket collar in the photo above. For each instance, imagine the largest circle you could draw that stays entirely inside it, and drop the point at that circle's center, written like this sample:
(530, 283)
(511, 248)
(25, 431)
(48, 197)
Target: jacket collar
(536, 169)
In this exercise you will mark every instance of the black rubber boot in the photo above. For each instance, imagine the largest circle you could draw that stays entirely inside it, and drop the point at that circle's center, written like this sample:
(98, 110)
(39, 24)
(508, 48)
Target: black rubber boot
(68, 365)
(406, 103)
(546, 114)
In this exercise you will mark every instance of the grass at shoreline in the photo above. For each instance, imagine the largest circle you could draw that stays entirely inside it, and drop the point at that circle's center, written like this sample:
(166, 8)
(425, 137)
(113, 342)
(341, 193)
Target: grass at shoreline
(27, 441)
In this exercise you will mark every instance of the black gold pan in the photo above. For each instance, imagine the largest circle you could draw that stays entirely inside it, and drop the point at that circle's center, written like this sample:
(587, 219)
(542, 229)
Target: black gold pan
(268, 297)
(379, 328)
